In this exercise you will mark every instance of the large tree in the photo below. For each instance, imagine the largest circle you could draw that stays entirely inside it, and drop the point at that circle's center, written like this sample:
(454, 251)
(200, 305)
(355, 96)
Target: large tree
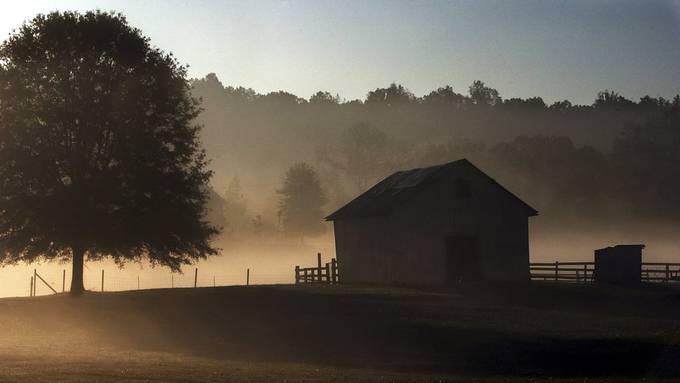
(99, 155)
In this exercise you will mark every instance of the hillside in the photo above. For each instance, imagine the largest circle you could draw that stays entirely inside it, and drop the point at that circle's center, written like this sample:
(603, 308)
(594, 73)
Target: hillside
(287, 333)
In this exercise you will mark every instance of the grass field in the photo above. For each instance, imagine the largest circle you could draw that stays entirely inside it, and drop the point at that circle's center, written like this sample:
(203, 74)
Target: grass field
(328, 333)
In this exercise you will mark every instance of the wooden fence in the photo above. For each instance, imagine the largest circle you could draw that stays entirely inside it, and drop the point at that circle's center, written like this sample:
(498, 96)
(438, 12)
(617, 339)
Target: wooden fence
(579, 272)
(584, 272)
(327, 273)
(660, 272)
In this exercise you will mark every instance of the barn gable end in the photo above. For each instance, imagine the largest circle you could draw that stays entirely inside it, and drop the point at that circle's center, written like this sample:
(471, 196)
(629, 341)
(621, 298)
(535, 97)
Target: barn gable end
(419, 227)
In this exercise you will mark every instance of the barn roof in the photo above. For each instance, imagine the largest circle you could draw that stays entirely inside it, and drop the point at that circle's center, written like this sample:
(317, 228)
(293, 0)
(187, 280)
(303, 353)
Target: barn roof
(391, 192)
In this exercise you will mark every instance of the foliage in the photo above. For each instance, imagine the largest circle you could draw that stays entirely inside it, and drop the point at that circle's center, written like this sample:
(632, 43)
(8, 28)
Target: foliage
(235, 207)
(482, 95)
(324, 98)
(99, 151)
(393, 95)
(446, 96)
(563, 158)
(612, 100)
(301, 201)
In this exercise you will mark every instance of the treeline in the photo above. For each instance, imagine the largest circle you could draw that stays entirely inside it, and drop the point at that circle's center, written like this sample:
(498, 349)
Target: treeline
(478, 95)
(613, 160)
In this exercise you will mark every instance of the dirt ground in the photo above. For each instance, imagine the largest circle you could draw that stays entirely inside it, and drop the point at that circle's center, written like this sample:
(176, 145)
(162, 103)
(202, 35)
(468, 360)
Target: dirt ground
(496, 333)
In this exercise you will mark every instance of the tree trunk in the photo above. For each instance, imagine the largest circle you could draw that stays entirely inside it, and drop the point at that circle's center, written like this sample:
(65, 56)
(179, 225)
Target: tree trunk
(77, 287)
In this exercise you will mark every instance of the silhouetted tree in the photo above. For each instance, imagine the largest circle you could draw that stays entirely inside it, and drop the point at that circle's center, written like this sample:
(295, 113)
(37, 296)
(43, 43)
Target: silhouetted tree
(648, 102)
(301, 201)
(645, 161)
(390, 96)
(99, 156)
(235, 206)
(240, 95)
(612, 100)
(324, 98)
(281, 98)
(445, 96)
(532, 102)
(483, 95)
(561, 106)
(211, 90)
(214, 208)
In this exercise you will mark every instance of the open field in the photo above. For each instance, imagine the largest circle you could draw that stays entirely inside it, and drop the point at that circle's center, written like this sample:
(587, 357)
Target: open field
(329, 333)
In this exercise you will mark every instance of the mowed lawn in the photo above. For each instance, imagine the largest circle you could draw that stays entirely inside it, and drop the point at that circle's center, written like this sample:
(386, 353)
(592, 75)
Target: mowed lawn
(500, 333)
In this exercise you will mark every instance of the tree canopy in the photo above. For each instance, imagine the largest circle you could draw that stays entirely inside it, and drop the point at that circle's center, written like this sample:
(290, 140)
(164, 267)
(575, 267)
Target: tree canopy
(99, 151)
(301, 201)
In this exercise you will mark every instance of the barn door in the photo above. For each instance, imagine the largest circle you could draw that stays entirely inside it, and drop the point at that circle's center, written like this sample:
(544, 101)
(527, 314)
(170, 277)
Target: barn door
(463, 261)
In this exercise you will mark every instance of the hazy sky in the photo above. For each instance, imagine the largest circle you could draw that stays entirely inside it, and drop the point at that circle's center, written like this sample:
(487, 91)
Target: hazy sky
(554, 49)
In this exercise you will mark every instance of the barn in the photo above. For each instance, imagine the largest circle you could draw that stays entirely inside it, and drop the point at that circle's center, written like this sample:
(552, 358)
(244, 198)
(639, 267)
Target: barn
(435, 226)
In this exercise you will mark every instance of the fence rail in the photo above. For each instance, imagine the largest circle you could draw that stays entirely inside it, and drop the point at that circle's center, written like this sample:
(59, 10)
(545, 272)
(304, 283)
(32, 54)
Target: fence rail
(327, 273)
(660, 272)
(52, 282)
(584, 272)
(579, 272)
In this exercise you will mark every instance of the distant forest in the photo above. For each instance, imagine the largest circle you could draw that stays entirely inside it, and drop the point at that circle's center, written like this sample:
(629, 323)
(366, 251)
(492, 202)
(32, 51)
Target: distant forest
(616, 160)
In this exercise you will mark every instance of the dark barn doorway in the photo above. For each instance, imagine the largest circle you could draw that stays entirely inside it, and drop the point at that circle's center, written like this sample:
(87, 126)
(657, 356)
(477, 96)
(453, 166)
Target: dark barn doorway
(463, 263)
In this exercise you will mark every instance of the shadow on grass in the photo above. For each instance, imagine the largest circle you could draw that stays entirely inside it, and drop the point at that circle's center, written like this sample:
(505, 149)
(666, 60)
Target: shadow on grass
(433, 333)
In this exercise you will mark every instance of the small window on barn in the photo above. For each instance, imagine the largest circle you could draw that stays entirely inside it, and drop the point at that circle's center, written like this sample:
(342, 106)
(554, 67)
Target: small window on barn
(463, 188)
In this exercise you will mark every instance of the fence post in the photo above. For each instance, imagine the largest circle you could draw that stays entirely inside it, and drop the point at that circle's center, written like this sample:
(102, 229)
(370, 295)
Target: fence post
(102, 280)
(667, 273)
(318, 259)
(172, 281)
(585, 273)
(35, 281)
(297, 274)
(63, 281)
(196, 277)
(557, 270)
(138, 282)
(213, 281)
(247, 277)
(334, 269)
(306, 278)
(30, 291)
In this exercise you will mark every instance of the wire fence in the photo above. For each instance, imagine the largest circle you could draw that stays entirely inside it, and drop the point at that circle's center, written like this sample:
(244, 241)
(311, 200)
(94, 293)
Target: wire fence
(123, 280)
(50, 281)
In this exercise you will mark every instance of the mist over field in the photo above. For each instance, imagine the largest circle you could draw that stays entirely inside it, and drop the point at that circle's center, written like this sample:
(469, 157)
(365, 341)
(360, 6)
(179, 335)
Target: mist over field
(587, 169)
(599, 174)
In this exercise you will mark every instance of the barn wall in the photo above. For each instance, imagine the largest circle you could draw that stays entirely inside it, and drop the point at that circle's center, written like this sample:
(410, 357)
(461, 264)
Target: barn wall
(360, 250)
(490, 214)
(369, 252)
